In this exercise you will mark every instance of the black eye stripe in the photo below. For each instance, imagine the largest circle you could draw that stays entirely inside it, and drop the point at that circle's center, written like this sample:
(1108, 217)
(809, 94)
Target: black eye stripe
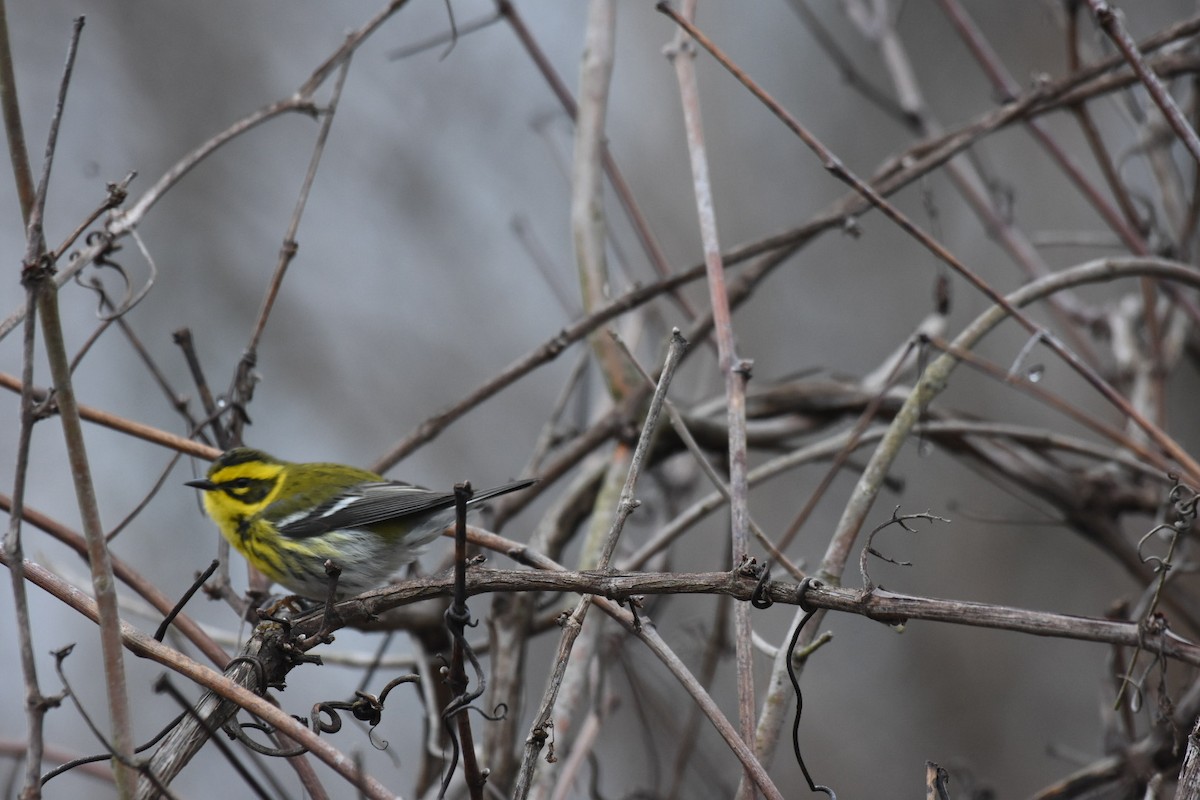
(248, 490)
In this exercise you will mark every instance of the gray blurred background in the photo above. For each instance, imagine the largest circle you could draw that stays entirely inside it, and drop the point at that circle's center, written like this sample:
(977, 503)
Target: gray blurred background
(410, 287)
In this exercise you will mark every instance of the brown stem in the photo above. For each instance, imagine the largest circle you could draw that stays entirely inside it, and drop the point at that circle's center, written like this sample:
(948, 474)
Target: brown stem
(734, 369)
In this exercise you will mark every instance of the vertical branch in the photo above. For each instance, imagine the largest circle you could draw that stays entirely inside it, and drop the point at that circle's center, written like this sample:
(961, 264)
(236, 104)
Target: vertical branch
(38, 278)
(735, 370)
(103, 583)
(589, 231)
(36, 704)
(457, 618)
(588, 222)
(620, 186)
(18, 154)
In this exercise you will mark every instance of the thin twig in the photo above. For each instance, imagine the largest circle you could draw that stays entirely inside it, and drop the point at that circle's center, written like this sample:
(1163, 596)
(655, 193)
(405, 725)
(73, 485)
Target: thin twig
(1121, 222)
(734, 370)
(845, 64)
(183, 601)
(440, 39)
(1134, 230)
(242, 388)
(551, 434)
(109, 420)
(679, 425)
(918, 160)
(678, 345)
(836, 167)
(300, 101)
(574, 622)
(127, 575)
(128, 219)
(145, 501)
(177, 400)
(641, 226)
(14, 129)
(589, 225)
(967, 175)
(36, 704)
(1112, 23)
(544, 353)
(212, 413)
(37, 278)
(115, 194)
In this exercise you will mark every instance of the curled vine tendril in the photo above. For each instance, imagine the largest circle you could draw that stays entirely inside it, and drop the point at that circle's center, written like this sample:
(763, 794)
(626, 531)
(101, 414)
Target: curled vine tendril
(364, 707)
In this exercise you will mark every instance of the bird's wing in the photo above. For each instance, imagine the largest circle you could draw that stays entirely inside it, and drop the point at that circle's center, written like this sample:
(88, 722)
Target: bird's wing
(376, 502)
(363, 505)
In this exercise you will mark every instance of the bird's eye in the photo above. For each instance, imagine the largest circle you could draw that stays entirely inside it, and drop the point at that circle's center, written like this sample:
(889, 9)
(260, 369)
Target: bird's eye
(241, 484)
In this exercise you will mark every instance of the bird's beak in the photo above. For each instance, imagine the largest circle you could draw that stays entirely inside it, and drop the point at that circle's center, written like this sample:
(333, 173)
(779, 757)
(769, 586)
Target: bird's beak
(203, 483)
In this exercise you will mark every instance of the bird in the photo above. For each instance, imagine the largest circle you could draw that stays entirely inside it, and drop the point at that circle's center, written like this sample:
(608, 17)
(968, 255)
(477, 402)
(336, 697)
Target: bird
(289, 518)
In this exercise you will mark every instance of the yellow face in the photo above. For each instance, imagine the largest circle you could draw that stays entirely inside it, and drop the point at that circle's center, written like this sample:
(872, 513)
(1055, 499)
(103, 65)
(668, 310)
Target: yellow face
(240, 485)
(238, 489)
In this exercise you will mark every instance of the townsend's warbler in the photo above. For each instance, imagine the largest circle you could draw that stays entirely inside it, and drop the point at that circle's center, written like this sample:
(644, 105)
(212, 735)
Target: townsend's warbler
(288, 519)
